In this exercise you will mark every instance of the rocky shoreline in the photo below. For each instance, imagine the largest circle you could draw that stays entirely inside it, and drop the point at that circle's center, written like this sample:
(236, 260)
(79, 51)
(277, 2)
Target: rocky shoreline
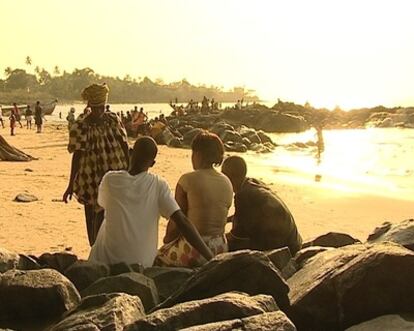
(334, 283)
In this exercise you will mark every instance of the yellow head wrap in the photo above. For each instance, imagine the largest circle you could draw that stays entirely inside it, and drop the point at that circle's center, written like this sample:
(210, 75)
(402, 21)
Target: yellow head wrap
(96, 94)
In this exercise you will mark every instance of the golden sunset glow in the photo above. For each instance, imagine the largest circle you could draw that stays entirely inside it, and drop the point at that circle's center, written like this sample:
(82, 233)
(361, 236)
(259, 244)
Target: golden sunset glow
(346, 53)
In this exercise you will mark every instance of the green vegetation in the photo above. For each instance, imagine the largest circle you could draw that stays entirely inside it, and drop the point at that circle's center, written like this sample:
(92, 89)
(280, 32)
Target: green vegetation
(23, 87)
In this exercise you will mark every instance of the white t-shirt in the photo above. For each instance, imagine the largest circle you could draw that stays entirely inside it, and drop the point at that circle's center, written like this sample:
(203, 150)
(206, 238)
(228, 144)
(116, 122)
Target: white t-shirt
(133, 206)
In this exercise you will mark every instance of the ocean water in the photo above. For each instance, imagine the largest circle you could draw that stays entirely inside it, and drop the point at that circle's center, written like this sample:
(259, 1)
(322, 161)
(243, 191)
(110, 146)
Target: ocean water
(356, 161)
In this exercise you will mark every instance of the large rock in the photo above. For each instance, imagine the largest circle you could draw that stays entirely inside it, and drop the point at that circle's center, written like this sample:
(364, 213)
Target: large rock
(109, 312)
(305, 254)
(219, 308)
(168, 280)
(131, 283)
(345, 286)
(245, 271)
(59, 261)
(332, 239)
(401, 322)
(401, 233)
(85, 273)
(280, 257)
(11, 260)
(274, 321)
(35, 294)
(189, 136)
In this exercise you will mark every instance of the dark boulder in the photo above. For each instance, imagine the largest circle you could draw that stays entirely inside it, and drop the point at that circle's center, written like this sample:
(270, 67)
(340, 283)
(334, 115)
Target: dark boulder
(168, 280)
(232, 136)
(109, 312)
(332, 239)
(59, 261)
(401, 233)
(401, 322)
(348, 285)
(84, 273)
(245, 271)
(235, 147)
(189, 136)
(277, 122)
(35, 294)
(131, 283)
(274, 321)
(219, 308)
(280, 257)
(264, 137)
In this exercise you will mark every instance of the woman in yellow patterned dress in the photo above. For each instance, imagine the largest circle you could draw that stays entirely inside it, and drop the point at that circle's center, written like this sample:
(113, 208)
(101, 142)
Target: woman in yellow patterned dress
(98, 142)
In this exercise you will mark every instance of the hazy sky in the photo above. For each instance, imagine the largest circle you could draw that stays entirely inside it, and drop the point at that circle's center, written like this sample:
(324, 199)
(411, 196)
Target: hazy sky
(348, 53)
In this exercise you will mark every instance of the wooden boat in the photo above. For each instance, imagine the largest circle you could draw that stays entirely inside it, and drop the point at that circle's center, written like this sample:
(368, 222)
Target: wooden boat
(48, 108)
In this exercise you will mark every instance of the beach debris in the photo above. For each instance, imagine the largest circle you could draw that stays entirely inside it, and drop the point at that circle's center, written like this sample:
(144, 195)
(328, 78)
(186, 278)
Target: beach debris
(25, 197)
(35, 294)
(276, 320)
(401, 233)
(28, 170)
(331, 239)
(10, 153)
(168, 279)
(131, 283)
(102, 312)
(394, 322)
(59, 261)
(341, 287)
(246, 271)
(84, 273)
(222, 307)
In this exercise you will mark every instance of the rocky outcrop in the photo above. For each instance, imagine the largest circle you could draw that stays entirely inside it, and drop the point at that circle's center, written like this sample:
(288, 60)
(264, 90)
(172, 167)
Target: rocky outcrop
(401, 233)
(345, 286)
(332, 239)
(84, 273)
(223, 307)
(245, 271)
(168, 280)
(401, 322)
(131, 283)
(109, 312)
(274, 321)
(35, 294)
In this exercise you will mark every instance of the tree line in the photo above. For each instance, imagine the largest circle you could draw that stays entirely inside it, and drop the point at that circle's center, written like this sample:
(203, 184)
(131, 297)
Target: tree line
(21, 86)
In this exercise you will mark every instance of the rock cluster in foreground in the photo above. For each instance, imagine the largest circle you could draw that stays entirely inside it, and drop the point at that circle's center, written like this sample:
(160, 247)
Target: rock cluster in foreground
(342, 285)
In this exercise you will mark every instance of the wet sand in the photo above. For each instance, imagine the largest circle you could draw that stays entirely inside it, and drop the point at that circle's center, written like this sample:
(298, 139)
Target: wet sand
(49, 225)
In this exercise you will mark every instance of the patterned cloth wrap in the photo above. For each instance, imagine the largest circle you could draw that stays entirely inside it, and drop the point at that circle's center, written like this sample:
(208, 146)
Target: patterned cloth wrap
(179, 253)
(101, 151)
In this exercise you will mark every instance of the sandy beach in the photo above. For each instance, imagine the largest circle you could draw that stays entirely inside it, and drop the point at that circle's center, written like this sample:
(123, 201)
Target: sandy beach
(49, 225)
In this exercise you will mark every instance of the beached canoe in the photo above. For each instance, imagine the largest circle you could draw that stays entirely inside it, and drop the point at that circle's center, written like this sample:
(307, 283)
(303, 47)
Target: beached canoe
(48, 108)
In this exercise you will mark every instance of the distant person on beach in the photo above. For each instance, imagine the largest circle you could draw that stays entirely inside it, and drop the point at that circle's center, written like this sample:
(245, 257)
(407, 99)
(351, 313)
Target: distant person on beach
(12, 119)
(1, 116)
(98, 142)
(320, 144)
(29, 117)
(71, 117)
(108, 108)
(17, 115)
(133, 201)
(205, 196)
(261, 220)
(38, 117)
